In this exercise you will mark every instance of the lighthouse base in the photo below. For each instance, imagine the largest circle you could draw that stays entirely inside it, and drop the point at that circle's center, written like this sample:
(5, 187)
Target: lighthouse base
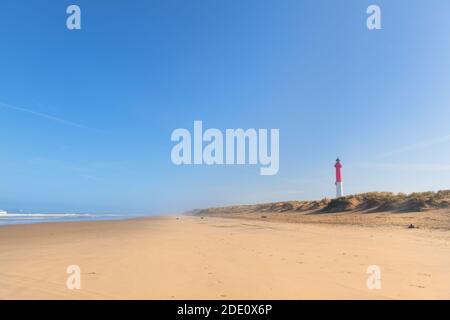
(339, 189)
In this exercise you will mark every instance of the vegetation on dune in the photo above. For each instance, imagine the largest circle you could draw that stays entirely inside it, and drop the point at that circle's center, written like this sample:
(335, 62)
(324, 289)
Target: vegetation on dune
(389, 201)
(364, 202)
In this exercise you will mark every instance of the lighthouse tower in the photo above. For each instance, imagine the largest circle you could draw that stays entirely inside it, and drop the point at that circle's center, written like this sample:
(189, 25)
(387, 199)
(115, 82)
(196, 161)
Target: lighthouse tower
(339, 184)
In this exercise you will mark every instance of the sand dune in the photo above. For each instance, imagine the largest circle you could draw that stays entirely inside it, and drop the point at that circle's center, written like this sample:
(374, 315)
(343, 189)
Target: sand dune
(429, 210)
(216, 258)
(369, 202)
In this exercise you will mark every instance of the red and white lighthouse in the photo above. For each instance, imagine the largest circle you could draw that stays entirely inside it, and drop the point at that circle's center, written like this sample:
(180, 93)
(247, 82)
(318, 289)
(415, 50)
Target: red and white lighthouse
(339, 183)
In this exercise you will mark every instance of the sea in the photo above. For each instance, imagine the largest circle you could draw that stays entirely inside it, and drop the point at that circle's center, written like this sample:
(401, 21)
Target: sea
(10, 218)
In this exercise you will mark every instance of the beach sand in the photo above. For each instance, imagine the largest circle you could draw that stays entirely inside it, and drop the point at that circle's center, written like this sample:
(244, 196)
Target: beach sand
(190, 257)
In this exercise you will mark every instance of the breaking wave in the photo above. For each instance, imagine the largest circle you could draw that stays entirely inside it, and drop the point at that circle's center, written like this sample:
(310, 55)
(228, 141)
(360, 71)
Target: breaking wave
(44, 215)
(18, 218)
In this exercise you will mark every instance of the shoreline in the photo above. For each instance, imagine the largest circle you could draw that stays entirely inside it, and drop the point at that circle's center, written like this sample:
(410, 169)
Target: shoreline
(76, 220)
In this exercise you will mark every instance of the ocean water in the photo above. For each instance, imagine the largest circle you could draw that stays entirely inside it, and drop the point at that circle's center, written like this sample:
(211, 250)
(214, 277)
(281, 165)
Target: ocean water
(7, 218)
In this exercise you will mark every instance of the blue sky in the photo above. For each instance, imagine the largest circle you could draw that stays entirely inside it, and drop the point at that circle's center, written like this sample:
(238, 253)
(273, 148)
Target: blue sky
(86, 115)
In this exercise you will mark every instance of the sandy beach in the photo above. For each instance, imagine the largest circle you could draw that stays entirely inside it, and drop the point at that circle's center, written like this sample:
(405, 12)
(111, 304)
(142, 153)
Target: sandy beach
(192, 257)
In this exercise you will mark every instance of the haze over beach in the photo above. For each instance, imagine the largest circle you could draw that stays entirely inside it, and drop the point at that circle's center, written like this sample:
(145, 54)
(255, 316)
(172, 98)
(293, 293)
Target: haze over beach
(254, 149)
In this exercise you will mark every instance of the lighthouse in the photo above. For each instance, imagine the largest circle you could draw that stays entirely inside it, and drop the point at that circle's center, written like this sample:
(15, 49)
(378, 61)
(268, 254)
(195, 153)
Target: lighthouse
(339, 185)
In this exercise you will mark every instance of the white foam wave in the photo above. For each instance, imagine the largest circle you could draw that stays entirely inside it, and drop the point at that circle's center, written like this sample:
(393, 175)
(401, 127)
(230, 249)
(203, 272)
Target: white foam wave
(19, 218)
(45, 215)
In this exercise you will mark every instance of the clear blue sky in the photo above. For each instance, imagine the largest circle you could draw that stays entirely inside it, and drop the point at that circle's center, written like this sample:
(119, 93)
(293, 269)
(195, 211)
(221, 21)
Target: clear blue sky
(86, 116)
